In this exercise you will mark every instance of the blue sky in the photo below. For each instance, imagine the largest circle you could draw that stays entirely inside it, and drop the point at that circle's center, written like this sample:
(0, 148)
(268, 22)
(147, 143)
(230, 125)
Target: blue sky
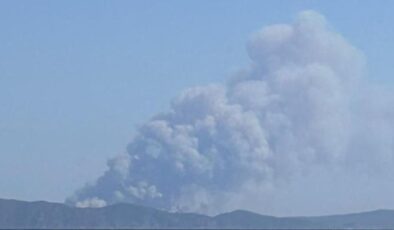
(77, 77)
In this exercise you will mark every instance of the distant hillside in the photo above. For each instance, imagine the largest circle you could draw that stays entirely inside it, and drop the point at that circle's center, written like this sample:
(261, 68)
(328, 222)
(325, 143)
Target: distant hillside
(20, 214)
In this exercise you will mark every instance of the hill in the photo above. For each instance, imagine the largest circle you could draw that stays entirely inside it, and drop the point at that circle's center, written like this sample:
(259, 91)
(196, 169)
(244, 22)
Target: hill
(45, 215)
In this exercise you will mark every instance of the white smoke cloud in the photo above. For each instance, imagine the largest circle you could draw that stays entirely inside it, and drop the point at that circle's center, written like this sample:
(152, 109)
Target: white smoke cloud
(298, 107)
(91, 203)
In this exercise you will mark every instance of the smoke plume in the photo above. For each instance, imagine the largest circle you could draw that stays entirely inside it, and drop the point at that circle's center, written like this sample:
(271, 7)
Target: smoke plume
(301, 112)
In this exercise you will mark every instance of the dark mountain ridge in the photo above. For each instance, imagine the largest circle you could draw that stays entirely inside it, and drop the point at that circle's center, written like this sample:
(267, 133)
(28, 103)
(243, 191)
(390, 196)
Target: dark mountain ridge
(45, 215)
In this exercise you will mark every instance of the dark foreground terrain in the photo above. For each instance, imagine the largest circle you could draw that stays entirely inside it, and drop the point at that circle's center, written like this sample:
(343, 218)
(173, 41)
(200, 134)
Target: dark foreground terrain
(20, 214)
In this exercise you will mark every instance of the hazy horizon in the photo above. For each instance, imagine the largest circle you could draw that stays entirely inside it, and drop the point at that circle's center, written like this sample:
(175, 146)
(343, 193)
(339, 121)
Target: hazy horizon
(282, 108)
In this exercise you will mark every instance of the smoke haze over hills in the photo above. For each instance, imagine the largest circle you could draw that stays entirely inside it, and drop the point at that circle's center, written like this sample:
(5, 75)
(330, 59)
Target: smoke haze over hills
(301, 128)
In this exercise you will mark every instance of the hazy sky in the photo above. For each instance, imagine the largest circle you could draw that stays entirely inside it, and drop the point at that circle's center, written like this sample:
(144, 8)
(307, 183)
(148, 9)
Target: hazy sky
(76, 77)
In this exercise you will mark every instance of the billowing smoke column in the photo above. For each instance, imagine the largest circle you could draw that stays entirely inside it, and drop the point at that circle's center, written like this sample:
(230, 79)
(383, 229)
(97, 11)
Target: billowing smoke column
(296, 107)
